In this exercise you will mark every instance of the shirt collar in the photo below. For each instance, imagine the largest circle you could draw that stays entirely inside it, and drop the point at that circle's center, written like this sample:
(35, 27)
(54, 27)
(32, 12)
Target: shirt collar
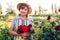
(20, 18)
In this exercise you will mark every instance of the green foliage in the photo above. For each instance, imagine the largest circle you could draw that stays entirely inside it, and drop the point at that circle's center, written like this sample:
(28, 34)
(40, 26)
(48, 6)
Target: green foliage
(2, 18)
(44, 30)
(12, 12)
(4, 35)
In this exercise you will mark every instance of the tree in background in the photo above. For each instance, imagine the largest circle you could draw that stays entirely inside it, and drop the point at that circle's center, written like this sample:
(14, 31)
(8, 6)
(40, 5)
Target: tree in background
(10, 14)
(0, 9)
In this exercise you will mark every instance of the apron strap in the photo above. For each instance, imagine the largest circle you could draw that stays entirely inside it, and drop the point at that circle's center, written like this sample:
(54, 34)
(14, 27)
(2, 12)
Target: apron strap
(17, 23)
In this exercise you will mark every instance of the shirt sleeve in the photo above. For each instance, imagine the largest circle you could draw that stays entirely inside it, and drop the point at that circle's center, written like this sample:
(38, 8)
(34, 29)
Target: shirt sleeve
(31, 20)
(13, 22)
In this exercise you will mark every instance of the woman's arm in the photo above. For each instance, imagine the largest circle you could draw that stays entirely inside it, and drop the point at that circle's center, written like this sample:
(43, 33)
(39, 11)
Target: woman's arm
(12, 32)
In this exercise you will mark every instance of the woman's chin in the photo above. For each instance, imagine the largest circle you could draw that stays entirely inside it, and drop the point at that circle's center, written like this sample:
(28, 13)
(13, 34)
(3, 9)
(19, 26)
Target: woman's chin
(23, 14)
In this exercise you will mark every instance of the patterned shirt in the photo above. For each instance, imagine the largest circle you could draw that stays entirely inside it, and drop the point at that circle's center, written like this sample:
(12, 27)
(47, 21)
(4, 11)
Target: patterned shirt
(21, 21)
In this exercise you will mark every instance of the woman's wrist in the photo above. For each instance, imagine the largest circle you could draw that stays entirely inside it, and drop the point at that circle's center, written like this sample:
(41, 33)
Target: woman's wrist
(18, 34)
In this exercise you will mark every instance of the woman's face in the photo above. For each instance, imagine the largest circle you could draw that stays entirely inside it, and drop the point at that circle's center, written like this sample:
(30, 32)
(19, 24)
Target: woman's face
(24, 11)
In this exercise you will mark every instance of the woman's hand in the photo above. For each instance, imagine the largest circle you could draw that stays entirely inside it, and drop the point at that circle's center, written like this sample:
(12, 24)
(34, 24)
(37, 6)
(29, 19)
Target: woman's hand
(24, 34)
(12, 32)
(18, 34)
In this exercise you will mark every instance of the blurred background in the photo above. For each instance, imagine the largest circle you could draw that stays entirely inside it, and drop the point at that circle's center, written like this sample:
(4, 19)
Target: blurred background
(45, 14)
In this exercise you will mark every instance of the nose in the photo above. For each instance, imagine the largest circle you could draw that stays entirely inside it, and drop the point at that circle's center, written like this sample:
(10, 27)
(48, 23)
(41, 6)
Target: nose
(23, 10)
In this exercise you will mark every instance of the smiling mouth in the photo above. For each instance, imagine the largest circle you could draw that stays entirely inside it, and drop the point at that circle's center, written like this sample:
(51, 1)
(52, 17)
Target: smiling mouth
(23, 12)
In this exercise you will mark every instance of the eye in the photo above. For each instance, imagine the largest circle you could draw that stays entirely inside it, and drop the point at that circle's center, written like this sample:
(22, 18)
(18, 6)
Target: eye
(26, 9)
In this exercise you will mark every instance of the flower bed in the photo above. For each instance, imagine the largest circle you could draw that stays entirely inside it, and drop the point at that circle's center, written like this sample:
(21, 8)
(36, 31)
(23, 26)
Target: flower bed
(44, 30)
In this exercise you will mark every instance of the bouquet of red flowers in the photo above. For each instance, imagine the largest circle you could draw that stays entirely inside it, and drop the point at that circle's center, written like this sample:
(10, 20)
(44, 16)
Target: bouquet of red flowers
(24, 28)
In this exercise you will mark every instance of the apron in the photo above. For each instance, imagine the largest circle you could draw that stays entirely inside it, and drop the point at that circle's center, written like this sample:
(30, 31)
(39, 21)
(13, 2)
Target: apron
(19, 37)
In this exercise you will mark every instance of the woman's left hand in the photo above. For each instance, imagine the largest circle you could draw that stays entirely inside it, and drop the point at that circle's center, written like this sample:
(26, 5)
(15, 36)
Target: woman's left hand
(24, 34)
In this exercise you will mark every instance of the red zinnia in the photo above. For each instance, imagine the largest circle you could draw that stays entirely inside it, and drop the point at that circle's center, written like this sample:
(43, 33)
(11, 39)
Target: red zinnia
(58, 27)
(24, 28)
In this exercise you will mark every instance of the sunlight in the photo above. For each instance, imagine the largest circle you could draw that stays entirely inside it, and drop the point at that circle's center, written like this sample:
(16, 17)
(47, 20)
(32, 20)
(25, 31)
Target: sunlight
(45, 4)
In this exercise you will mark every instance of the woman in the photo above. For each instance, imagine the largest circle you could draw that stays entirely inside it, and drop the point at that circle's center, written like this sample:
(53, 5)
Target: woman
(21, 19)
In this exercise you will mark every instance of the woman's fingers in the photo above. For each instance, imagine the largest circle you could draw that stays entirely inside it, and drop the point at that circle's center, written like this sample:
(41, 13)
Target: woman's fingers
(24, 34)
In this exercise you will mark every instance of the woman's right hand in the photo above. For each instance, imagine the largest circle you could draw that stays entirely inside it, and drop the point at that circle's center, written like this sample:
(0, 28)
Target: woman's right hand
(18, 34)
(12, 32)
